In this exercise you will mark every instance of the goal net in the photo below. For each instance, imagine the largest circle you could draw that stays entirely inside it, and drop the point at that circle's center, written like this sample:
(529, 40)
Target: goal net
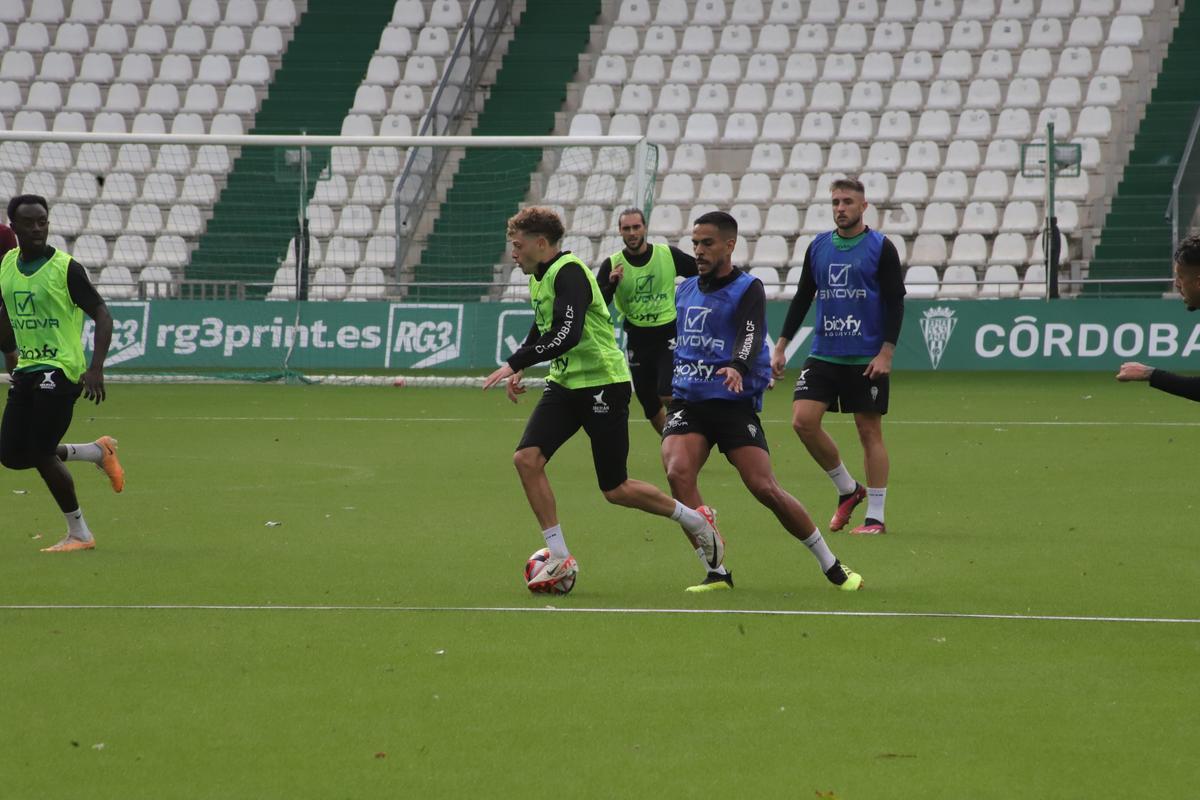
(316, 258)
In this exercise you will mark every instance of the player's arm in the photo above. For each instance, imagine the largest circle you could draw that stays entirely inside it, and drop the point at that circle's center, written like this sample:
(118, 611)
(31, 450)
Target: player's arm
(84, 295)
(8, 340)
(750, 322)
(806, 292)
(685, 265)
(891, 290)
(572, 295)
(607, 279)
(1184, 386)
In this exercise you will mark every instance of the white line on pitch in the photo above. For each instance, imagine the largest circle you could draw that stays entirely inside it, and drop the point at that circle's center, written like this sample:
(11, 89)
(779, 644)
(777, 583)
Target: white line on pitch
(588, 610)
(946, 422)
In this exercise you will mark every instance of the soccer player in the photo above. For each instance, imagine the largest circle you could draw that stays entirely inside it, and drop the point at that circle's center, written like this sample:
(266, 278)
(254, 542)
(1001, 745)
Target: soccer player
(721, 369)
(1187, 283)
(45, 294)
(854, 274)
(641, 278)
(588, 387)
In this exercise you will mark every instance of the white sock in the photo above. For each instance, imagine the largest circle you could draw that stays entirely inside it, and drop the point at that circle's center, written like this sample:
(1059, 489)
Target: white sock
(77, 527)
(691, 520)
(816, 545)
(842, 479)
(84, 452)
(875, 498)
(556, 543)
(700, 554)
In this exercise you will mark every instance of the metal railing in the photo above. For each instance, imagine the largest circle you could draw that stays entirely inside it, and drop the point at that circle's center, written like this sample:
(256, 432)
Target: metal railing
(1185, 189)
(460, 79)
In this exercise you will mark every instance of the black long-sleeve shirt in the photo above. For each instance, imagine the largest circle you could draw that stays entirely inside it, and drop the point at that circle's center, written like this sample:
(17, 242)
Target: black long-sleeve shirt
(635, 335)
(572, 296)
(750, 319)
(1180, 385)
(891, 289)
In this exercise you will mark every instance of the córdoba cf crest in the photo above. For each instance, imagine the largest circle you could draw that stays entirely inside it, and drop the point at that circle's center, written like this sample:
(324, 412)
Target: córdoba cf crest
(937, 324)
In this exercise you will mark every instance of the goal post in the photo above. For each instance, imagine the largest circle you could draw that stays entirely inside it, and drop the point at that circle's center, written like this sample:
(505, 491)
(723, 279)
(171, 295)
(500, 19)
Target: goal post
(295, 257)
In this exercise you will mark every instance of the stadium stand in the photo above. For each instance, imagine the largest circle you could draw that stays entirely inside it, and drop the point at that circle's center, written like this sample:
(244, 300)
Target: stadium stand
(928, 102)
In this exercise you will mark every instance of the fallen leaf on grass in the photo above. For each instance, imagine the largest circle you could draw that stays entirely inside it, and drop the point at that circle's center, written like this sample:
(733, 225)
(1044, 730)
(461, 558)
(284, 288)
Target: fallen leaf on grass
(273, 524)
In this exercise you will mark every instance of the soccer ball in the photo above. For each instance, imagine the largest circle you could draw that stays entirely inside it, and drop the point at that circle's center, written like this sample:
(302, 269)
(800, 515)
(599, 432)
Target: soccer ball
(534, 567)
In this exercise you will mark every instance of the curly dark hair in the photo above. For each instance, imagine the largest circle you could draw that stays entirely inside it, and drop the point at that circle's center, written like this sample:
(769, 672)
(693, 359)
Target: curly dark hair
(537, 221)
(1187, 254)
(25, 199)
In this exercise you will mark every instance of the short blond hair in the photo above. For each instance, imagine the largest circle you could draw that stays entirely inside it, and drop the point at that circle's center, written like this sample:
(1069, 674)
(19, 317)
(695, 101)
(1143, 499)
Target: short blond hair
(537, 221)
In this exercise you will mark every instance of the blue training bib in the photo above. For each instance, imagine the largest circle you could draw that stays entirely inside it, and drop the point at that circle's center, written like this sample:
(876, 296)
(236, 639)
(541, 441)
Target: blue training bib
(849, 319)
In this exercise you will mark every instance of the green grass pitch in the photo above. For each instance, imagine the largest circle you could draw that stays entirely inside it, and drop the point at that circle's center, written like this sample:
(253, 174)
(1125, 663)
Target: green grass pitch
(1023, 495)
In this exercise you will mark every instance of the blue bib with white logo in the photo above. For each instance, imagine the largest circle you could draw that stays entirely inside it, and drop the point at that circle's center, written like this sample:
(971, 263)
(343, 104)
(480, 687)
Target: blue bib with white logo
(849, 319)
(705, 334)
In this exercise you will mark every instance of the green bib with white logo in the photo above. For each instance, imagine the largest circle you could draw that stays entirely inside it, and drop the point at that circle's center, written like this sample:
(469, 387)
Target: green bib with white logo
(47, 323)
(596, 360)
(646, 294)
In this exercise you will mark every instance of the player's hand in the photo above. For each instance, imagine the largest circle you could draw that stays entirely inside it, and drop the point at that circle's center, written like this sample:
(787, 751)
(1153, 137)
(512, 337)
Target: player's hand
(514, 388)
(616, 274)
(733, 379)
(880, 366)
(505, 371)
(1133, 371)
(778, 362)
(93, 385)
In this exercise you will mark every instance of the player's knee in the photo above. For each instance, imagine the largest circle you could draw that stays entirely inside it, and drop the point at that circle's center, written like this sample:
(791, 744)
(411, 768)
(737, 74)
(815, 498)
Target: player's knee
(678, 472)
(618, 495)
(528, 461)
(766, 490)
(806, 427)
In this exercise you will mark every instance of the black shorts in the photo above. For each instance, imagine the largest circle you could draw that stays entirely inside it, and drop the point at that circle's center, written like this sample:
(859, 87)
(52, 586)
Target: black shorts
(843, 387)
(726, 424)
(652, 365)
(602, 412)
(36, 417)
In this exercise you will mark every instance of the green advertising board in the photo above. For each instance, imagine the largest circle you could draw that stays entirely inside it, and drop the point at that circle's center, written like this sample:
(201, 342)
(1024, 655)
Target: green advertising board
(180, 335)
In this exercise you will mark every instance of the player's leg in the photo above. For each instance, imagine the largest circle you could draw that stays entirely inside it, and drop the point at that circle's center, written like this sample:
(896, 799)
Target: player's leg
(685, 450)
(818, 389)
(753, 464)
(643, 367)
(51, 410)
(870, 433)
(102, 453)
(552, 423)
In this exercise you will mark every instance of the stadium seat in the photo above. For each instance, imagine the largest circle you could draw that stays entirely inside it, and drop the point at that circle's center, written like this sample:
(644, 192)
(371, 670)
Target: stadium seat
(54, 157)
(90, 12)
(170, 251)
(818, 219)
(184, 220)
(770, 251)
(72, 37)
(793, 188)
(369, 281)
(770, 280)
(921, 282)
(1115, 60)
(929, 249)
(342, 252)
(1033, 286)
(129, 251)
(1000, 281)
(90, 250)
(155, 282)
(328, 283)
(766, 158)
(970, 249)
(959, 282)
(116, 283)
(782, 218)
(844, 157)
(159, 188)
